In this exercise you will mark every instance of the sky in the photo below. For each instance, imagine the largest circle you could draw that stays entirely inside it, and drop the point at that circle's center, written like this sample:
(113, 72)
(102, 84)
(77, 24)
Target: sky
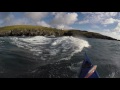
(106, 23)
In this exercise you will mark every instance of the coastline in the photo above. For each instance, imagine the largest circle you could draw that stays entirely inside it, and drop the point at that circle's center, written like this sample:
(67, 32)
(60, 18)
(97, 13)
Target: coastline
(29, 30)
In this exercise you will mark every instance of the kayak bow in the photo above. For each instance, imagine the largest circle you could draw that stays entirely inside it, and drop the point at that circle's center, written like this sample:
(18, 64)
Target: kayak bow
(87, 69)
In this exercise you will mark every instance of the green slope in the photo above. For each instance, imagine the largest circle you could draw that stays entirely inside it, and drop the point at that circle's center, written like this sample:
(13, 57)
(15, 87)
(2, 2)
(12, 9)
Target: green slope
(30, 30)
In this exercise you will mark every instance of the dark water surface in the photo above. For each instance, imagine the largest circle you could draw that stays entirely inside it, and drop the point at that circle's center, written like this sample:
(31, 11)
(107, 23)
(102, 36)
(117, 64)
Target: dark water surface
(61, 57)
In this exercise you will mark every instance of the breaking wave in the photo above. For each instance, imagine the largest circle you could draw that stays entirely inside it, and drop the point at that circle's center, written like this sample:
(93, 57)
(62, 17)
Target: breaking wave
(46, 48)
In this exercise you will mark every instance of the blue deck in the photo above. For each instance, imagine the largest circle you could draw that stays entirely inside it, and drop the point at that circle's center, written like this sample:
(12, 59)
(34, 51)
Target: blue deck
(86, 66)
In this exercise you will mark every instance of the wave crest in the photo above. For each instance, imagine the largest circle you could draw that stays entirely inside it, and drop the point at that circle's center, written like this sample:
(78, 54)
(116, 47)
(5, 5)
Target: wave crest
(60, 48)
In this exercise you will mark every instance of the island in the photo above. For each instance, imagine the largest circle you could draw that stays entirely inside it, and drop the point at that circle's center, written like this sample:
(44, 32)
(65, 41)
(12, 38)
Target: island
(31, 30)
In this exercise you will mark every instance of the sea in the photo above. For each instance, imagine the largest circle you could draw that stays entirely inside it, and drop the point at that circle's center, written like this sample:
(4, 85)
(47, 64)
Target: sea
(57, 57)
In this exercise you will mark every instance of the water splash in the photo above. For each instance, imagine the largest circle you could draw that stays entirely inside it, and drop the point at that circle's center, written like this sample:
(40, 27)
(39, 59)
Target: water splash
(60, 48)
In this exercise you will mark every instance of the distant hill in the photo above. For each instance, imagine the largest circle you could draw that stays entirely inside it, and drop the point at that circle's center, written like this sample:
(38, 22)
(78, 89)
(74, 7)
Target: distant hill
(30, 30)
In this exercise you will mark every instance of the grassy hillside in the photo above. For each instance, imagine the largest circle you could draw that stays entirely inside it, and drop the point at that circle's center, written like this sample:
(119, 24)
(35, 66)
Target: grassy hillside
(29, 30)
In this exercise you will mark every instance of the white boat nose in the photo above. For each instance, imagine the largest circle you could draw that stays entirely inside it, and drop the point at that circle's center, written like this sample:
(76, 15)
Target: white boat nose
(91, 71)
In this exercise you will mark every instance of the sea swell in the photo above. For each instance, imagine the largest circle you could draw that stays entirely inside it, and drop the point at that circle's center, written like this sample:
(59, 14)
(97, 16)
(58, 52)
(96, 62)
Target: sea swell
(60, 48)
(56, 57)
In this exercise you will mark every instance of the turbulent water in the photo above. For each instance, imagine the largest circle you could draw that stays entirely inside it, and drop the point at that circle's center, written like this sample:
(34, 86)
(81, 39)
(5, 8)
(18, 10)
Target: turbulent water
(56, 57)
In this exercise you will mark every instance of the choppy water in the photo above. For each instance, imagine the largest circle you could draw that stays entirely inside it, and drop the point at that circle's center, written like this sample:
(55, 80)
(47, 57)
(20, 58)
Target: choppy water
(61, 57)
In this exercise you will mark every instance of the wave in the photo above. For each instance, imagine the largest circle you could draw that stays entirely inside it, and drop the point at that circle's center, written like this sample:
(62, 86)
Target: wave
(60, 48)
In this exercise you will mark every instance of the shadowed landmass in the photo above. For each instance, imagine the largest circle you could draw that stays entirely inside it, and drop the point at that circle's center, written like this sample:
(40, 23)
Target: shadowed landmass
(30, 30)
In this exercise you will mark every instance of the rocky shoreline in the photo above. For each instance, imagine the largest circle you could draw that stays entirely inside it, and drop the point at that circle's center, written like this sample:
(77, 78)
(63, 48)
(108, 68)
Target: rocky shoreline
(29, 30)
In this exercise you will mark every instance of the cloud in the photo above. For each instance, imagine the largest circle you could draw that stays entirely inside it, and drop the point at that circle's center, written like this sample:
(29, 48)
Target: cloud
(115, 32)
(54, 13)
(60, 26)
(108, 32)
(62, 20)
(99, 17)
(108, 21)
(22, 21)
(43, 23)
(4, 15)
(29, 18)
(112, 34)
(117, 28)
(9, 18)
(100, 14)
(84, 22)
(64, 27)
(65, 18)
(6, 18)
(36, 15)
(95, 26)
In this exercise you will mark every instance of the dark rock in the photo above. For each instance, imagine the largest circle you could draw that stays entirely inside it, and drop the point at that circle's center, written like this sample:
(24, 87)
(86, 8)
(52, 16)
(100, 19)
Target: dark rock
(43, 31)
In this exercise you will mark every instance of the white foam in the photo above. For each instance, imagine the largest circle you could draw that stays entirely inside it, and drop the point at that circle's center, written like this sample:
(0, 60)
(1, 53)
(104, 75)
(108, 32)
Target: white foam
(54, 52)
(75, 67)
(48, 48)
(75, 44)
(36, 40)
(111, 75)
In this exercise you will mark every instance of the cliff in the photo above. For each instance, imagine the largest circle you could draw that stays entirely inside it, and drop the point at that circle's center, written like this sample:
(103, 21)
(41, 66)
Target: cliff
(29, 30)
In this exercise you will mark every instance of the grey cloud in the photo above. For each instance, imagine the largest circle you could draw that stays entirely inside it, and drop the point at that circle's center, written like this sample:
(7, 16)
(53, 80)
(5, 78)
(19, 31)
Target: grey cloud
(36, 15)
(99, 17)
(4, 14)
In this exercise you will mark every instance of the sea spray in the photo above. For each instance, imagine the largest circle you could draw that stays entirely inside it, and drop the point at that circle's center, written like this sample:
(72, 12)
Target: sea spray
(41, 56)
(51, 49)
(72, 44)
